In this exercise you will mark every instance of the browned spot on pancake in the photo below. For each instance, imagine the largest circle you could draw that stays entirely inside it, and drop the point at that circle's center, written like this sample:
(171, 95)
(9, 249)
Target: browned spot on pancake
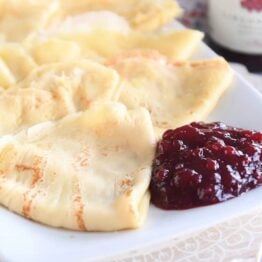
(82, 159)
(84, 102)
(126, 182)
(153, 55)
(37, 175)
(179, 63)
(79, 216)
(55, 95)
(129, 192)
(27, 205)
(35, 170)
(215, 63)
(104, 153)
(107, 150)
(79, 209)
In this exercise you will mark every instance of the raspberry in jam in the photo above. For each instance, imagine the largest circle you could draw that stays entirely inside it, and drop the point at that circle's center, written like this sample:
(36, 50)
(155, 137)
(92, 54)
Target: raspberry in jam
(202, 164)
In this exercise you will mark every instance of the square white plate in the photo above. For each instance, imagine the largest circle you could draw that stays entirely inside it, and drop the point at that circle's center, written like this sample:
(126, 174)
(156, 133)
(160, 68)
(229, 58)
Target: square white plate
(24, 240)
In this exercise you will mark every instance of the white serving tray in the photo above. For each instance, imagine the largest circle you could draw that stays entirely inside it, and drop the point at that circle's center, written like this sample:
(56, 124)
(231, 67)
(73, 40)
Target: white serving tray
(26, 241)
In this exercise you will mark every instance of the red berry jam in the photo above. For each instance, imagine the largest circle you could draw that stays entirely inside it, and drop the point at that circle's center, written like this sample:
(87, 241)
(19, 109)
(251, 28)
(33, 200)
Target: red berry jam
(202, 164)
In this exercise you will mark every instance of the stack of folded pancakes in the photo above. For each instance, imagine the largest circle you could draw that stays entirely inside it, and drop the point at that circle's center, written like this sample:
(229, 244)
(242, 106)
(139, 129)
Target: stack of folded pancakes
(87, 89)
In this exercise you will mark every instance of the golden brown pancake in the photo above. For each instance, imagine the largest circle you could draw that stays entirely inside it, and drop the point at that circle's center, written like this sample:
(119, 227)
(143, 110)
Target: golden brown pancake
(175, 93)
(89, 171)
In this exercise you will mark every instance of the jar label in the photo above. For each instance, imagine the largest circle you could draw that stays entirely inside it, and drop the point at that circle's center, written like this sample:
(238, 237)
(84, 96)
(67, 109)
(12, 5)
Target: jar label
(237, 24)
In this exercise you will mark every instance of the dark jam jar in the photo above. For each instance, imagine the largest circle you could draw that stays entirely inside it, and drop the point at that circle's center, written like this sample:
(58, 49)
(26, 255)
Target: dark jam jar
(235, 31)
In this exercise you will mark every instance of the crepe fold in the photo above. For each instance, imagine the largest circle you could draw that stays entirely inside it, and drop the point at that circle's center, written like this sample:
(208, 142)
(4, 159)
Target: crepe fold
(97, 36)
(15, 64)
(175, 93)
(102, 35)
(146, 15)
(19, 19)
(89, 171)
(53, 91)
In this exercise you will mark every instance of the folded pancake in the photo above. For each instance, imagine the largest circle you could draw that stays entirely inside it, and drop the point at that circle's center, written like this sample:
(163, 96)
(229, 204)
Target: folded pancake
(174, 93)
(146, 15)
(96, 36)
(55, 90)
(89, 171)
(101, 35)
(18, 19)
(15, 64)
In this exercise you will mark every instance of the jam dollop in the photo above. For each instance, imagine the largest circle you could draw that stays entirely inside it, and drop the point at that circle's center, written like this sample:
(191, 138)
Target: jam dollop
(201, 164)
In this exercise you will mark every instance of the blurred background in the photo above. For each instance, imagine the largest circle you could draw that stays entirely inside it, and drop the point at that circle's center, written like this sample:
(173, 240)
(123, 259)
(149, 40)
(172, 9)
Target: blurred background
(233, 28)
(195, 13)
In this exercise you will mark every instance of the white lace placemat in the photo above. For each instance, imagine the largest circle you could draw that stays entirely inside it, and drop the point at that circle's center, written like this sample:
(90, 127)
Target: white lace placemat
(238, 240)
